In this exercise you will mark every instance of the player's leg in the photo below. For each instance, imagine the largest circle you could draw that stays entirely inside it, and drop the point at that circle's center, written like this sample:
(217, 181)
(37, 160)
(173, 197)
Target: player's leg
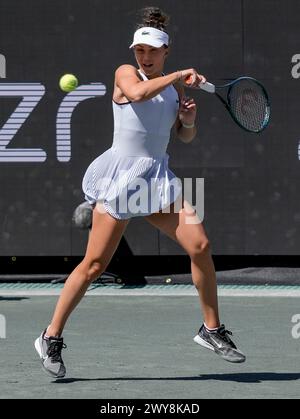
(186, 228)
(103, 240)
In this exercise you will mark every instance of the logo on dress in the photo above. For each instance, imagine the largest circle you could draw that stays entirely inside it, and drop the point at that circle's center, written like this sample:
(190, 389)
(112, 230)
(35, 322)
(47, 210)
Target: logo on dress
(145, 33)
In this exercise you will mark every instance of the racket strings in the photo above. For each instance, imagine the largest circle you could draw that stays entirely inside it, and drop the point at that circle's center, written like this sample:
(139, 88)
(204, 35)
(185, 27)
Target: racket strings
(249, 105)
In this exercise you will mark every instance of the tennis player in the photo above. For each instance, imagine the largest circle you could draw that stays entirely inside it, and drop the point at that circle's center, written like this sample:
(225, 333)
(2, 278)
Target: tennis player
(146, 104)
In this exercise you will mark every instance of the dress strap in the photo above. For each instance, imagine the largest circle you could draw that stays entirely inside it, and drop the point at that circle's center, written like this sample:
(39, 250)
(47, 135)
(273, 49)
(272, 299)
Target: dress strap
(144, 77)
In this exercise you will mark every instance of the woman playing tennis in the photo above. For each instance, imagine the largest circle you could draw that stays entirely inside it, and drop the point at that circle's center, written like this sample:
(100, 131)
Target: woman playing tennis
(146, 105)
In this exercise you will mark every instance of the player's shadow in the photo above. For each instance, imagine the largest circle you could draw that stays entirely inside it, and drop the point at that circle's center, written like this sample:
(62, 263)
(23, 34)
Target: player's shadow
(252, 377)
(13, 298)
(247, 377)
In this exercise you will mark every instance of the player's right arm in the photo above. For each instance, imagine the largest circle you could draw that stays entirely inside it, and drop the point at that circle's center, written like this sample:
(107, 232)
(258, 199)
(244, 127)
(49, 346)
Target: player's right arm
(136, 90)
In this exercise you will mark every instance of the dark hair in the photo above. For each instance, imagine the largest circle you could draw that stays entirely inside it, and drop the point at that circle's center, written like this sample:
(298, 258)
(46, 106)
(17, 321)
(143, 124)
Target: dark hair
(154, 17)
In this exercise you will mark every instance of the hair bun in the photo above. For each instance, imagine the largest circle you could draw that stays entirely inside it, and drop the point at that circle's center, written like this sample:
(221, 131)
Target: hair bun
(154, 17)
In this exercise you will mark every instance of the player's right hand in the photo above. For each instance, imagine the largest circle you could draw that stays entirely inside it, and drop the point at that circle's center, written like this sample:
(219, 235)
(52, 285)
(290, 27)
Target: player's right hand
(190, 78)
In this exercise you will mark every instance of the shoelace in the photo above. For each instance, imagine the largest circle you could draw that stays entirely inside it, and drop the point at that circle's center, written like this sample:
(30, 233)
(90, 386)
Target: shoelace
(54, 350)
(223, 332)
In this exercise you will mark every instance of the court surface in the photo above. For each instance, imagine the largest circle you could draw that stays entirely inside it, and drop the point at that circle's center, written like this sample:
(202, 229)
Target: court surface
(137, 343)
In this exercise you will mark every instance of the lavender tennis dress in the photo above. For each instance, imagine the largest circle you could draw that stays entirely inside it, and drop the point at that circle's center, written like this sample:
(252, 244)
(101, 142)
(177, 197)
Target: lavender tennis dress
(132, 178)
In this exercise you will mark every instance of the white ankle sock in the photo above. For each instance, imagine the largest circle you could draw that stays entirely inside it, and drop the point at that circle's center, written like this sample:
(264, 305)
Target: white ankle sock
(209, 329)
(46, 336)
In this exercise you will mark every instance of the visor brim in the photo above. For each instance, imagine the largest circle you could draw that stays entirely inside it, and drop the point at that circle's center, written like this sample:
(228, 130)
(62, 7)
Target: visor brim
(154, 44)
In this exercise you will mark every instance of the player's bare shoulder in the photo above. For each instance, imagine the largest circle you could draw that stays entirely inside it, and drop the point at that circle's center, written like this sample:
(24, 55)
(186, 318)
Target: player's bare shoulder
(126, 70)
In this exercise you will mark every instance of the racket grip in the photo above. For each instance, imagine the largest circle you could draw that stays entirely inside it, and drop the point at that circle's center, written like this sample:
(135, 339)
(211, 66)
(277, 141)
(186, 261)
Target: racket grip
(208, 87)
(189, 80)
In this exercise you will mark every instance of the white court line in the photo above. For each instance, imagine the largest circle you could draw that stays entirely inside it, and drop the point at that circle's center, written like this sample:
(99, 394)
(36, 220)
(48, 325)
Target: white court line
(187, 291)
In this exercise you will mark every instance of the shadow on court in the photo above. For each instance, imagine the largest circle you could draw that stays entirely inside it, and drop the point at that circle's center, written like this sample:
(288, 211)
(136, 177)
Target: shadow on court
(238, 378)
(13, 298)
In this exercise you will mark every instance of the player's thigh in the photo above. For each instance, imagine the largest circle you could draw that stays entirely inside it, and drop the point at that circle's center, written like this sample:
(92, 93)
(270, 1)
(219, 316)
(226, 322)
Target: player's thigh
(183, 226)
(104, 237)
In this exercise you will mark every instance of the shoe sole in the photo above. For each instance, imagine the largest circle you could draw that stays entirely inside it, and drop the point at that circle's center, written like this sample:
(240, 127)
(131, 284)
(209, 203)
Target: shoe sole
(39, 351)
(38, 347)
(206, 345)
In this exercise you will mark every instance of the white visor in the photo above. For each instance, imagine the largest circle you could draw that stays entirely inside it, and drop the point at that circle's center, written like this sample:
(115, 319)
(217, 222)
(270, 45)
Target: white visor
(150, 36)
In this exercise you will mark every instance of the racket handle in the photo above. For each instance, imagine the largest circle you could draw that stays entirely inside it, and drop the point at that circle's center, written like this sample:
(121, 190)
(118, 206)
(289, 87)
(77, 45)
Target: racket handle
(208, 87)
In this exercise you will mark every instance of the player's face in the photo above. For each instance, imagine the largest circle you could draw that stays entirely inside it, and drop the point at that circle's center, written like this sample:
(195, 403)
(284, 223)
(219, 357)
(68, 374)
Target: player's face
(150, 60)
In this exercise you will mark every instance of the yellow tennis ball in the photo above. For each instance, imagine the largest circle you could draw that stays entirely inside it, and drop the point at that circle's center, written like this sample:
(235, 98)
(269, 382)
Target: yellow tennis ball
(68, 82)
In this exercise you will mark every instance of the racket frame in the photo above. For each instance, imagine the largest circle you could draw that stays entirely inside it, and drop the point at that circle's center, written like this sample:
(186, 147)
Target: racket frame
(211, 88)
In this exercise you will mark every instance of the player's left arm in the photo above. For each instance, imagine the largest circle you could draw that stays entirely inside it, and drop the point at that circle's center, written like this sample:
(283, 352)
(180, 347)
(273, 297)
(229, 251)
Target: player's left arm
(186, 115)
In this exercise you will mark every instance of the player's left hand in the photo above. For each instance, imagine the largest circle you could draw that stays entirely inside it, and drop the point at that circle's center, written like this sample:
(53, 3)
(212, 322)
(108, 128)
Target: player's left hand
(187, 110)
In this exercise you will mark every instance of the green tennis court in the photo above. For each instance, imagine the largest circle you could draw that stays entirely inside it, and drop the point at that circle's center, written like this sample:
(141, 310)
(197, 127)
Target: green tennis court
(137, 342)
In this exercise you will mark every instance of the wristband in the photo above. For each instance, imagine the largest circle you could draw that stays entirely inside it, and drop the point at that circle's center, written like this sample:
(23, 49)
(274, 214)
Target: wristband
(188, 125)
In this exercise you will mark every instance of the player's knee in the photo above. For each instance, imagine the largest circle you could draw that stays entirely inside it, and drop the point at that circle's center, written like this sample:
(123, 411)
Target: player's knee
(199, 249)
(92, 270)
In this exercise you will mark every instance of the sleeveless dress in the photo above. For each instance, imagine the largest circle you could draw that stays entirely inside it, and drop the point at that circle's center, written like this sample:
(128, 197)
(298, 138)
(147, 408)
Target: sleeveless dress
(132, 177)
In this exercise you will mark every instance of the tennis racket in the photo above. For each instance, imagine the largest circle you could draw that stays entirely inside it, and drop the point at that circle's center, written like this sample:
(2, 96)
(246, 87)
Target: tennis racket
(247, 101)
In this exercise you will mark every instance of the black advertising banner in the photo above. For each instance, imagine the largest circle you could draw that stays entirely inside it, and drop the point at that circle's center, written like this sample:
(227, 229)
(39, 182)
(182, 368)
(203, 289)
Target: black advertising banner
(49, 137)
